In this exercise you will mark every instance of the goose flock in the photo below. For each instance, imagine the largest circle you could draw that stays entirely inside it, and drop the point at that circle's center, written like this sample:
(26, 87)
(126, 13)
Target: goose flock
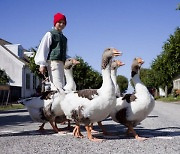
(88, 106)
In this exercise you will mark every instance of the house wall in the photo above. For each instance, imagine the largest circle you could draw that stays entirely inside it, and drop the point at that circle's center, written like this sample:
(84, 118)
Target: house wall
(12, 66)
(30, 83)
(176, 84)
(17, 70)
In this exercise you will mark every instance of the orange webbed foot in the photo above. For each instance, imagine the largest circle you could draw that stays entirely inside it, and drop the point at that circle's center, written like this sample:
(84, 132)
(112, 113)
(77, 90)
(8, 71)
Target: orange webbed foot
(77, 132)
(94, 139)
(138, 138)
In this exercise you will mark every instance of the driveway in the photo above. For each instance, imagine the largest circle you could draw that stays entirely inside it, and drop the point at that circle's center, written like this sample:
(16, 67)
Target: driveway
(20, 135)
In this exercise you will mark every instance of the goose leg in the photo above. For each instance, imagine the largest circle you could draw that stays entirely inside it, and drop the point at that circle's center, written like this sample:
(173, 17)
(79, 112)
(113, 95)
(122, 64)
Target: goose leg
(77, 132)
(41, 127)
(60, 130)
(91, 128)
(69, 125)
(103, 129)
(137, 137)
(54, 126)
(128, 132)
(90, 137)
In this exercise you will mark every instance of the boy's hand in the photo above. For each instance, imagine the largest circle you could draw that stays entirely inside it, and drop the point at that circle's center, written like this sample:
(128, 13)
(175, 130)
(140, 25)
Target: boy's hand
(42, 69)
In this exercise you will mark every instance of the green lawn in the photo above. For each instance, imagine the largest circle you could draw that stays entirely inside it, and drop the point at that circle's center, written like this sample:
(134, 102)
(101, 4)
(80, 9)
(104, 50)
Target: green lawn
(11, 107)
(169, 99)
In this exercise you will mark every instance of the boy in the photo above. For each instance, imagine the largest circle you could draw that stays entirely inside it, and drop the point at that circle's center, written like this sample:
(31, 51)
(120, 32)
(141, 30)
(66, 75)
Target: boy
(51, 53)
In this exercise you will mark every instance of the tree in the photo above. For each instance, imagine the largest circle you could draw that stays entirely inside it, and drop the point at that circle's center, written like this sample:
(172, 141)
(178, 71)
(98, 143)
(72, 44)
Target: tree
(148, 77)
(166, 66)
(123, 83)
(178, 7)
(33, 67)
(85, 77)
(4, 78)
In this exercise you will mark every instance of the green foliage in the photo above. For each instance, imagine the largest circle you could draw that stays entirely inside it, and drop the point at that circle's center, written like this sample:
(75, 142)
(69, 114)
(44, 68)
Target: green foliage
(167, 66)
(148, 77)
(123, 83)
(85, 77)
(4, 78)
(33, 67)
(178, 7)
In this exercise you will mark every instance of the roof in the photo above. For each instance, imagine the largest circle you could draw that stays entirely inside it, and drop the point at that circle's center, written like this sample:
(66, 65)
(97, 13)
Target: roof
(4, 42)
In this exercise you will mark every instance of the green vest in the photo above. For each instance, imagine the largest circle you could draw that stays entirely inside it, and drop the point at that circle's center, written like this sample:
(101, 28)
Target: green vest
(58, 47)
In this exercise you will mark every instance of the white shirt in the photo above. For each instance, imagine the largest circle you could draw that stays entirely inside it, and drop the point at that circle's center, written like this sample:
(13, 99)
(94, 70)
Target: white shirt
(43, 50)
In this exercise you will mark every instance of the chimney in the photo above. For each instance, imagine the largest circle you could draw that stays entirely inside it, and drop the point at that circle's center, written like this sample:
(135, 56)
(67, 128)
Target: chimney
(17, 49)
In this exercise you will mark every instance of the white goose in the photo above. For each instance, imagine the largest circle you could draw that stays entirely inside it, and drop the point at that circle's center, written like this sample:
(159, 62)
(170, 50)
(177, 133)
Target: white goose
(47, 108)
(39, 108)
(131, 109)
(68, 71)
(70, 85)
(92, 105)
(114, 66)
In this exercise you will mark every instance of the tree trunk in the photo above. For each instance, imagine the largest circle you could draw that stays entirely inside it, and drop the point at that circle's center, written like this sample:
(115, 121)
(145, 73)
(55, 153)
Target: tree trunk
(166, 91)
(156, 95)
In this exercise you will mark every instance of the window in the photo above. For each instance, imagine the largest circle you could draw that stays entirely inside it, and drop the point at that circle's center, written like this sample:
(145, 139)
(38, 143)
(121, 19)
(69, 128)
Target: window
(27, 81)
(34, 82)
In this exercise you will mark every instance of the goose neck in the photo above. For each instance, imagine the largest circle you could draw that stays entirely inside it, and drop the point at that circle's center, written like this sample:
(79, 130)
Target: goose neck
(114, 76)
(68, 75)
(107, 81)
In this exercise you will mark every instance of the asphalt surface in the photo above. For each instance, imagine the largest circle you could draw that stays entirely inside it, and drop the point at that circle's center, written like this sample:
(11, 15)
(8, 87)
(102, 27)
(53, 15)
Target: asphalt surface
(20, 135)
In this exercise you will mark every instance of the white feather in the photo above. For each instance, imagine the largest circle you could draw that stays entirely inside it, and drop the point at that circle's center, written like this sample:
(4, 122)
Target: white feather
(99, 107)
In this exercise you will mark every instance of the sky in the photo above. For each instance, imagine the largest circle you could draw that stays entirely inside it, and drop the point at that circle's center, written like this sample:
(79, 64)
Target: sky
(137, 28)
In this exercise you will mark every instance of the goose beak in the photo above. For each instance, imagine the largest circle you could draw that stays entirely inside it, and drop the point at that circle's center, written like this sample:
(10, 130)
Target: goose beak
(75, 62)
(116, 53)
(140, 61)
(119, 63)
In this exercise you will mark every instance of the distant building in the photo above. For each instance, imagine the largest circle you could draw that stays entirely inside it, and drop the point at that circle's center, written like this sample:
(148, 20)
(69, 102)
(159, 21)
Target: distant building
(176, 83)
(176, 86)
(14, 62)
(162, 92)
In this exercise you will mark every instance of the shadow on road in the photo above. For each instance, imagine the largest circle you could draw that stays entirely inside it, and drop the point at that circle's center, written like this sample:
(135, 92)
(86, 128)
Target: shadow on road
(13, 111)
(11, 120)
(27, 133)
(118, 129)
(15, 119)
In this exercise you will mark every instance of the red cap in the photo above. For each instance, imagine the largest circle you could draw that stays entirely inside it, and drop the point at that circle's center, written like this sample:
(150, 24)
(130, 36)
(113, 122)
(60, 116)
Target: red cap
(58, 17)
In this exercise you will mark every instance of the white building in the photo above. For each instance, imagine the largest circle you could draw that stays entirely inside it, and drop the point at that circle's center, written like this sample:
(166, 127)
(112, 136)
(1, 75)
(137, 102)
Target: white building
(162, 92)
(176, 83)
(23, 82)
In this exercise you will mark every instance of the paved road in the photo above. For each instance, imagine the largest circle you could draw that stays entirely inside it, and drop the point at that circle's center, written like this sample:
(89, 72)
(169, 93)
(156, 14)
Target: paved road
(19, 135)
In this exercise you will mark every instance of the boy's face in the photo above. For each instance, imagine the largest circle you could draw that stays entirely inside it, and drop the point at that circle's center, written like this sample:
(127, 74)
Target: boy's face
(60, 25)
